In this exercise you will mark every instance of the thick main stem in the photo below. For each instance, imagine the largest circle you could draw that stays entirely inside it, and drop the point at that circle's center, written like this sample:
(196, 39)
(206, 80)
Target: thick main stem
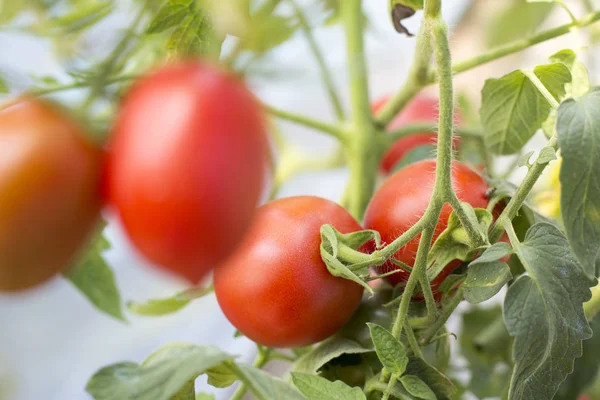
(362, 150)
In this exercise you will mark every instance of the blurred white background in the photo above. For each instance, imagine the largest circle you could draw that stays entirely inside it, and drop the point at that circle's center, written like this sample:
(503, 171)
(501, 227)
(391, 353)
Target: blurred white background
(52, 340)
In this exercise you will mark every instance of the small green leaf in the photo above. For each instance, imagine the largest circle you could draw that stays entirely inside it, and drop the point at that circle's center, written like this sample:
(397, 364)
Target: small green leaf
(205, 396)
(484, 280)
(156, 307)
(265, 386)
(580, 84)
(222, 375)
(453, 243)
(513, 109)
(523, 160)
(390, 351)
(543, 311)
(419, 153)
(269, 31)
(327, 351)
(494, 253)
(578, 130)
(94, 278)
(160, 377)
(317, 388)
(415, 386)
(547, 154)
(434, 379)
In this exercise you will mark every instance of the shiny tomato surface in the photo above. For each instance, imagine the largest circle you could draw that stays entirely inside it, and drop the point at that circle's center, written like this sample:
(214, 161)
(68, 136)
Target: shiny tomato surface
(50, 192)
(276, 289)
(403, 199)
(188, 158)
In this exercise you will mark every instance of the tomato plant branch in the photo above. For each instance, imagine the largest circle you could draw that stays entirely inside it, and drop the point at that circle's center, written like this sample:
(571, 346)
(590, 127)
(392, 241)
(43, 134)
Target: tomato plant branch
(521, 44)
(447, 311)
(412, 340)
(307, 121)
(362, 150)
(515, 203)
(318, 54)
(263, 357)
(408, 130)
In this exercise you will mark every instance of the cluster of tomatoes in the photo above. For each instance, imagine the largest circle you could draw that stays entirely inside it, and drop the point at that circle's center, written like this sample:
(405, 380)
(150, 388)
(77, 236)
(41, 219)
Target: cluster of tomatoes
(184, 169)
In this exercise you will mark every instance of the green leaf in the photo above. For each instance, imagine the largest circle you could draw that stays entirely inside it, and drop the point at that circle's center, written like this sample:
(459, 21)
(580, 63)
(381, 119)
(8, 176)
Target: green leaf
(327, 351)
(578, 130)
(205, 396)
(390, 351)
(78, 19)
(434, 379)
(269, 31)
(547, 154)
(453, 243)
(484, 280)
(222, 375)
(402, 9)
(513, 109)
(523, 160)
(494, 253)
(415, 386)
(187, 392)
(419, 153)
(317, 388)
(265, 386)
(160, 377)
(580, 84)
(330, 242)
(168, 305)
(94, 278)
(544, 313)
(586, 367)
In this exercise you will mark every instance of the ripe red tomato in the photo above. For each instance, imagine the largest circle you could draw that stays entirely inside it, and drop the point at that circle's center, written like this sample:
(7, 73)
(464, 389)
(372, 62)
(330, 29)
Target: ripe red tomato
(422, 109)
(276, 289)
(50, 203)
(187, 164)
(403, 199)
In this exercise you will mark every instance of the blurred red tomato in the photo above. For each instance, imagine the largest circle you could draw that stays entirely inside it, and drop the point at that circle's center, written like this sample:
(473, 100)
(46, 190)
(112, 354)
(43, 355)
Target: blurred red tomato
(188, 160)
(276, 289)
(50, 203)
(403, 199)
(422, 109)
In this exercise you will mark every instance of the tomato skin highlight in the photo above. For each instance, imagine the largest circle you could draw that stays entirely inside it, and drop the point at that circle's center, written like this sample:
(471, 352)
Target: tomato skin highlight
(276, 289)
(187, 166)
(50, 184)
(422, 109)
(401, 201)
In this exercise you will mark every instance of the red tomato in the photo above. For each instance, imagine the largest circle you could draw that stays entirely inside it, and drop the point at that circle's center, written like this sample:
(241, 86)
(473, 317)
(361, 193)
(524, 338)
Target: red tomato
(50, 203)
(422, 109)
(276, 289)
(403, 199)
(188, 158)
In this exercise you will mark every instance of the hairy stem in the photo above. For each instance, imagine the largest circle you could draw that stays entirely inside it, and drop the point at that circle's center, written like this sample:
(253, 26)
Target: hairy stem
(447, 311)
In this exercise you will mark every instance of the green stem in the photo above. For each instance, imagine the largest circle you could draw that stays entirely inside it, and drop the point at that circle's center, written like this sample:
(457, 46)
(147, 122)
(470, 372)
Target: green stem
(380, 256)
(415, 81)
(412, 340)
(262, 358)
(515, 203)
(428, 128)
(519, 45)
(362, 151)
(566, 8)
(592, 307)
(441, 321)
(388, 390)
(318, 54)
(79, 85)
(307, 121)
